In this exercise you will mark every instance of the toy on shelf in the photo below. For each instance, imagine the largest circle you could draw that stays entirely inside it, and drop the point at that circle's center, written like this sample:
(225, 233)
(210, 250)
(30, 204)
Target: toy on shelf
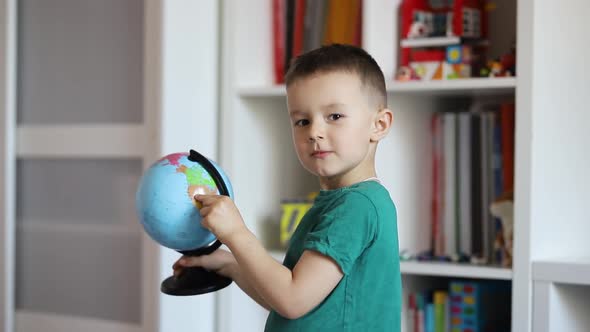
(503, 208)
(436, 18)
(505, 66)
(442, 39)
(293, 211)
(406, 74)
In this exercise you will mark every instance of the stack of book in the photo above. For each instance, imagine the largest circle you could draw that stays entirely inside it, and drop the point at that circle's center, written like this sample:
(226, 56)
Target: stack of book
(465, 306)
(472, 166)
(302, 25)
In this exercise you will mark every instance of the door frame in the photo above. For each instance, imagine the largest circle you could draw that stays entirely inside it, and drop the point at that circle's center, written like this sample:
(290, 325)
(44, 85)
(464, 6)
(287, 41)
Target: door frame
(7, 160)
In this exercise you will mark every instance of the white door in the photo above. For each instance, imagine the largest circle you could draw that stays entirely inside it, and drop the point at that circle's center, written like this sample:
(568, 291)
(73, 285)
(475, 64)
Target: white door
(91, 93)
(80, 145)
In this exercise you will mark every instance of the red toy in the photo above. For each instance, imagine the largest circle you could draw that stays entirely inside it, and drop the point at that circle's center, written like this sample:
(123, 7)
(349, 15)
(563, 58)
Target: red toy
(465, 19)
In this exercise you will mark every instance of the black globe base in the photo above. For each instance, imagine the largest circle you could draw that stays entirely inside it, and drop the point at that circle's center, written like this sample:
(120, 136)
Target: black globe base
(194, 281)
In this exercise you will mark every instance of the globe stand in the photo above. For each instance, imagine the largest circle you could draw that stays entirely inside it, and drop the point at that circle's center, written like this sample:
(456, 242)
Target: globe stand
(197, 280)
(194, 281)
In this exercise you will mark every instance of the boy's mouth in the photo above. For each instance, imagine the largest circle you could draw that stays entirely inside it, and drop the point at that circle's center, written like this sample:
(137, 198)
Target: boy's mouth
(320, 154)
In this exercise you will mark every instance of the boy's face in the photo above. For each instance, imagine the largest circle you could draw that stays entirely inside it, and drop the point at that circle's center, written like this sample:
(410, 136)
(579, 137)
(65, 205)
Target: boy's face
(333, 126)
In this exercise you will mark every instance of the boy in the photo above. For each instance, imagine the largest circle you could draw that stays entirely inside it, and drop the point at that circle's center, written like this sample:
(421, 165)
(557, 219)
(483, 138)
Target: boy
(341, 271)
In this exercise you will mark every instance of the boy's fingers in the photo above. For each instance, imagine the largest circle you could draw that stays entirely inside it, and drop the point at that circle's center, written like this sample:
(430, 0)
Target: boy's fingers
(189, 261)
(205, 199)
(177, 272)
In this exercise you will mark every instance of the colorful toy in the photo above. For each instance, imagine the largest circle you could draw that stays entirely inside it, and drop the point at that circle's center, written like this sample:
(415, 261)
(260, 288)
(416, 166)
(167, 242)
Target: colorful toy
(479, 306)
(292, 213)
(405, 74)
(418, 30)
(503, 208)
(432, 18)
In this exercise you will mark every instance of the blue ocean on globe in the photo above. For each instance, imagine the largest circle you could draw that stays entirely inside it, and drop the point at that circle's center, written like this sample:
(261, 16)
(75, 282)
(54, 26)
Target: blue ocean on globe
(165, 204)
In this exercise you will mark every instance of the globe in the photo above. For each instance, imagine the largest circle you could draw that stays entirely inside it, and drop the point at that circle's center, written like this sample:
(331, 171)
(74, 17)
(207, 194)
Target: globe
(165, 204)
(170, 216)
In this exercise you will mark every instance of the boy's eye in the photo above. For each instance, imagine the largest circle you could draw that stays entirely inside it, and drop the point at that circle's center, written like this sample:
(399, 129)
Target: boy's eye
(301, 123)
(335, 116)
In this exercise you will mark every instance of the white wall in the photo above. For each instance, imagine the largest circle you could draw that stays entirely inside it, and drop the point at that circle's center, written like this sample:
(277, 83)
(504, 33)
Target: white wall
(182, 94)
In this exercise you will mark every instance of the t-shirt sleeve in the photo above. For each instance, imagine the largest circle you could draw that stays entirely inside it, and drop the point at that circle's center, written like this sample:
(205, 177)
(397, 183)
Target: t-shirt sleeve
(345, 231)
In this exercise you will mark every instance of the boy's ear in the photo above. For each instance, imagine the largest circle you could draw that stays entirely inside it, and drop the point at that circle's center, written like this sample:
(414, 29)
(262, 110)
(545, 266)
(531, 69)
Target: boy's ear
(381, 125)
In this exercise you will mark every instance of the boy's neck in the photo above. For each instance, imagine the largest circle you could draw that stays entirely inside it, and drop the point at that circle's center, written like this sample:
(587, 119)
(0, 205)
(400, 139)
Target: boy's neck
(329, 183)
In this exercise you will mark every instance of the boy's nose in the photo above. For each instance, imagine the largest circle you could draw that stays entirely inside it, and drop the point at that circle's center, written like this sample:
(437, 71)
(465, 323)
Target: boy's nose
(315, 138)
(315, 132)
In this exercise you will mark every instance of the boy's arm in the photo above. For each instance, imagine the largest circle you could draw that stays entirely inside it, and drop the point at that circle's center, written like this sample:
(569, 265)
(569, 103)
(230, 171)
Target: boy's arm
(245, 286)
(224, 263)
(290, 293)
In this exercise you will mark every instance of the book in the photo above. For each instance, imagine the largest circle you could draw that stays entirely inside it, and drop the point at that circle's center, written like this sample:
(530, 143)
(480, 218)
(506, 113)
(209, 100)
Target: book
(278, 33)
(480, 306)
(450, 183)
(298, 28)
(437, 185)
(476, 187)
(439, 301)
(464, 179)
(314, 24)
(507, 118)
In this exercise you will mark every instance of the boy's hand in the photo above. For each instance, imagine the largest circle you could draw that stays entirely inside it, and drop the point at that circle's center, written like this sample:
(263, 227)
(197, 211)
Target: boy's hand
(221, 216)
(220, 261)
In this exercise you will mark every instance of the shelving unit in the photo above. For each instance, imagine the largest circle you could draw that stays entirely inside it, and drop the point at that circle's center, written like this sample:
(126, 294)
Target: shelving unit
(255, 129)
(561, 289)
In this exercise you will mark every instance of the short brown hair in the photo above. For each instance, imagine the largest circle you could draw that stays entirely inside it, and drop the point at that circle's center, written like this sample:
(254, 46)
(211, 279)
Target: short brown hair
(346, 58)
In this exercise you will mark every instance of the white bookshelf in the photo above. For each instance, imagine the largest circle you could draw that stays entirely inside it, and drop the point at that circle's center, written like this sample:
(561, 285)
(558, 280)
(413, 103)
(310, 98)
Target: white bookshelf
(256, 128)
(561, 294)
(551, 180)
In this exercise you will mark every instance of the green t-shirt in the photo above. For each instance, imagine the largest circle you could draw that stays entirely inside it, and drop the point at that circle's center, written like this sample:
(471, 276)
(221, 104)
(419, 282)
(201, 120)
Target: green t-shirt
(357, 227)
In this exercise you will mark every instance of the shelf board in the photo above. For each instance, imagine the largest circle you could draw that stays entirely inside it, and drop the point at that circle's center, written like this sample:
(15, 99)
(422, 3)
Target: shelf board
(430, 42)
(441, 269)
(567, 271)
(467, 86)
(263, 91)
(455, 270)
(496, 85)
